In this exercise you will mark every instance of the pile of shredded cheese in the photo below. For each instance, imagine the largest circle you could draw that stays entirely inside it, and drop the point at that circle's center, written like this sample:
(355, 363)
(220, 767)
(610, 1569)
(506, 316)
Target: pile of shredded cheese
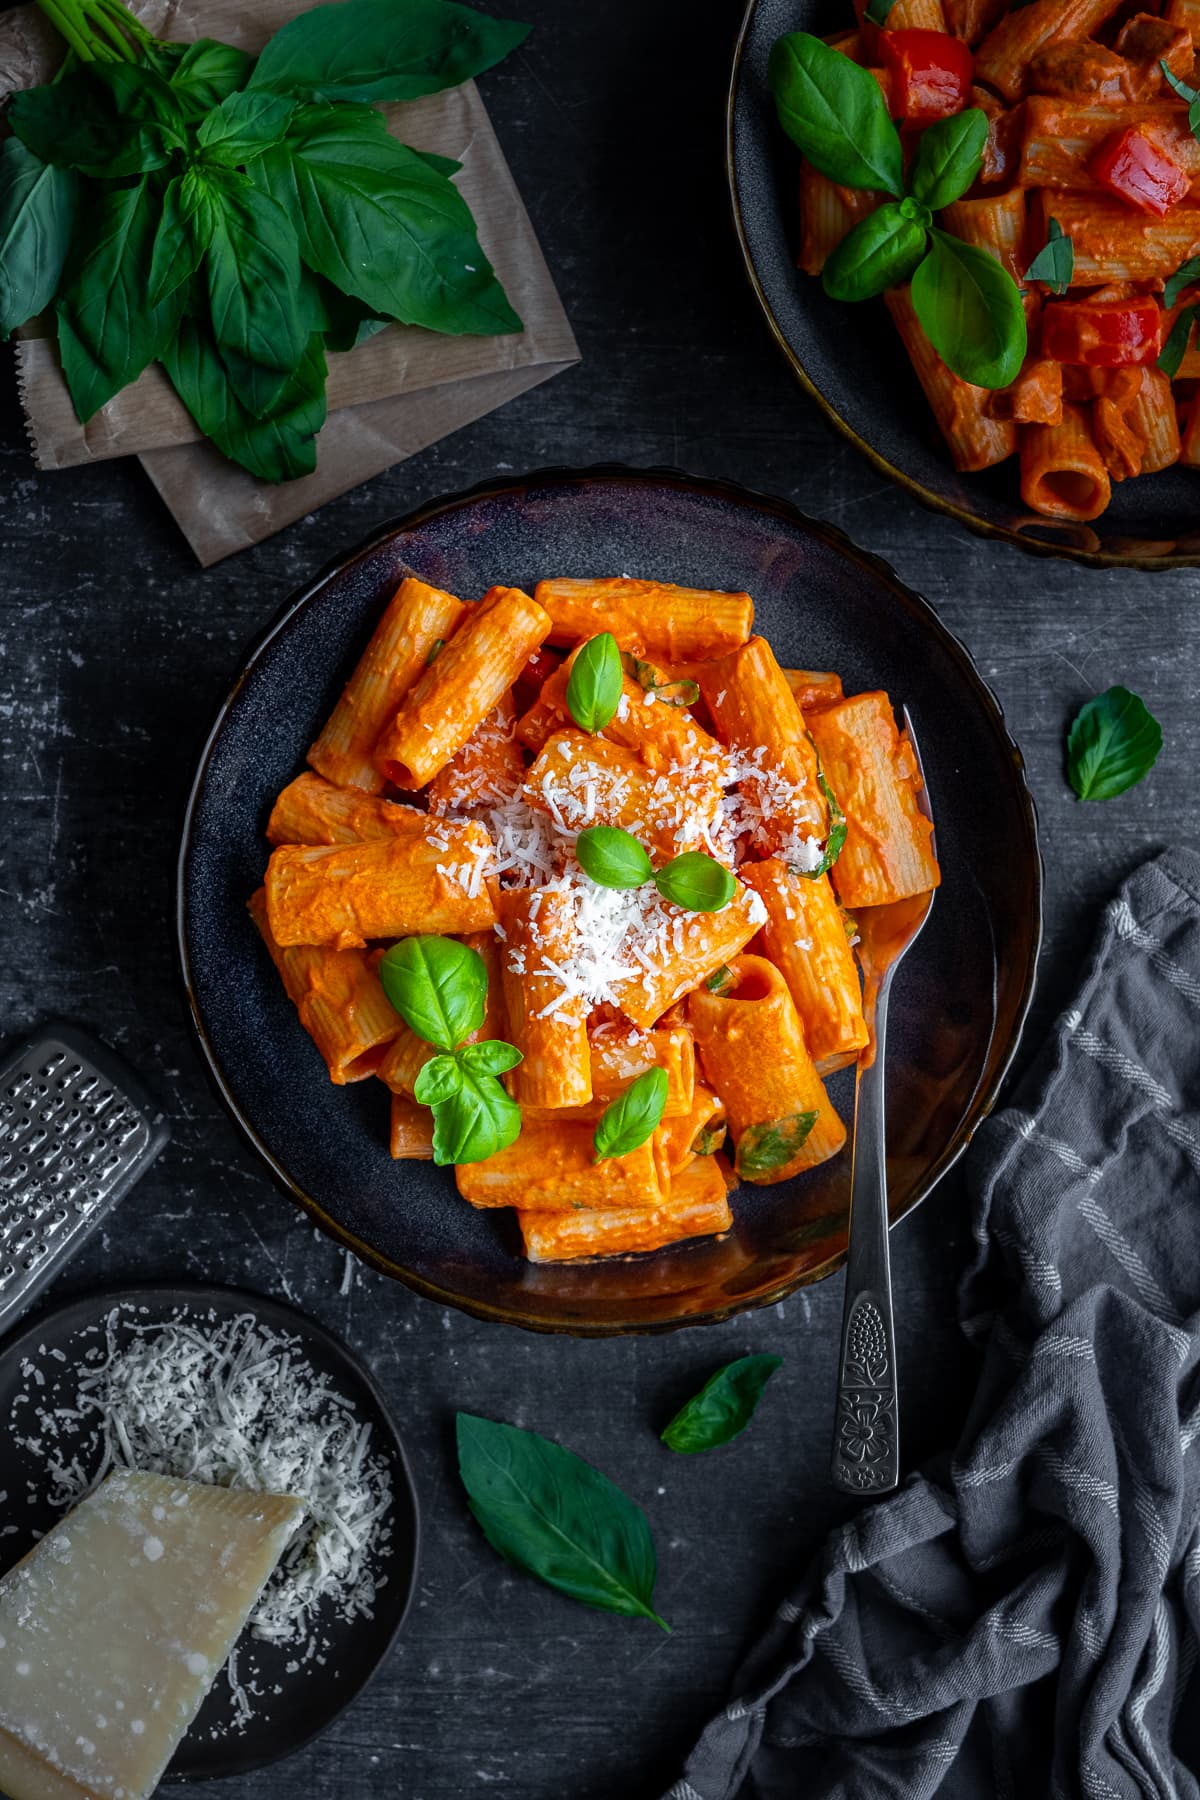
(236, 1404)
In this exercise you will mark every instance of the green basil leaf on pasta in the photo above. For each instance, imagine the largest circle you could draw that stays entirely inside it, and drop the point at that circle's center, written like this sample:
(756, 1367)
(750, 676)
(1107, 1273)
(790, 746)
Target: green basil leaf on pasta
(836, 837)
(1113, 744)
(37, 213)
(438, 986)
(696, 882)
(764, 1148)
(720, 980)
(651, 681)
(1055, 261)
(724, 1406)
(612, 858)
(880, 252)
(439, 1079)
(595, 683)
(834, 111)
(1185, 93)
(1184, 277)
(550, 1513)
(971, 311)
(876, 11)
(628, 1121)
(476, 1122)
(949, 156)
(370, 50)
(1175, 349)
(708, 1140)
(491, 1057)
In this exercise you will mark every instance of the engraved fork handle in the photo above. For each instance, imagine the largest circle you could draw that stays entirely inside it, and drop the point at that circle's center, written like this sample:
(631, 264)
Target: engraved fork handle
(866, 1435)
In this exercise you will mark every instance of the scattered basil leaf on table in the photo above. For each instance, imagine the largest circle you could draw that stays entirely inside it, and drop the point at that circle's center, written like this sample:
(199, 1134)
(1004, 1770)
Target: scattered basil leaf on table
(880, 252)
(612, 858)
(1184, 277)
(724, 1406)
(763, 1148)
(438, 986)
(836, 114)
(1113, 744)
(550, 1513)
(37, 214)
(629, 1120)
(970, 310)
(1171, 355)
(1185, 93)
(696, 882)
(478, 1120)
(595, 683)
(948, 158)
(373, 50)
(1055, 261)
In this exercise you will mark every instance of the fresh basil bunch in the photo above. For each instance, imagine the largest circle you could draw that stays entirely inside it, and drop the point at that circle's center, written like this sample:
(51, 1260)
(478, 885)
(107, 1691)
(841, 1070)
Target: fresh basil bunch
(969, 307)
(234, 218)
(439, 988)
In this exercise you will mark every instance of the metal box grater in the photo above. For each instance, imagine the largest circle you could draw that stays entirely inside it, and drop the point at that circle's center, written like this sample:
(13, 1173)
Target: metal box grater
(77, 1129)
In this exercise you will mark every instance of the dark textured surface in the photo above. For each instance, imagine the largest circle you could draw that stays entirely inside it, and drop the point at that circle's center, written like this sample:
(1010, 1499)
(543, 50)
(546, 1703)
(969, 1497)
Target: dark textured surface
(114, 652)
(822, 605)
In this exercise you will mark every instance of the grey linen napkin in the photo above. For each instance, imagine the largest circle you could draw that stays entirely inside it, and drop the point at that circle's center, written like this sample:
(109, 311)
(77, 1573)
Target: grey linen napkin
(1023, 1620)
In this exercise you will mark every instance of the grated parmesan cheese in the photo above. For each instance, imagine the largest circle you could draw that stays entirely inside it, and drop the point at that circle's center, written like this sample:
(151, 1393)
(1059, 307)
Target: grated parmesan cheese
(236, 1404)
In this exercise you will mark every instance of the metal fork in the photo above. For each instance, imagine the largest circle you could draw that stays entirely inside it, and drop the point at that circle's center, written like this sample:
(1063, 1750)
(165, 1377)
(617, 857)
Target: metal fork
(866, 1440)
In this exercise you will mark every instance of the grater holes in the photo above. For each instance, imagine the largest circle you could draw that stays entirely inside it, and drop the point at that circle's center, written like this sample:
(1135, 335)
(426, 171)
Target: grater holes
(54, 1062)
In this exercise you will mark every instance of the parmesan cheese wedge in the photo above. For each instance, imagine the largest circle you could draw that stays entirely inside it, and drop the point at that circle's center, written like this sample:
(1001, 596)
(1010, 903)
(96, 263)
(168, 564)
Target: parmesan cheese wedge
(115, 1626)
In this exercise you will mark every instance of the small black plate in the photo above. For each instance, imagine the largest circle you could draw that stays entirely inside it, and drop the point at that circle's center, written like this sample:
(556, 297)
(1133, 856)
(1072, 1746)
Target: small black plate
(312, 1695)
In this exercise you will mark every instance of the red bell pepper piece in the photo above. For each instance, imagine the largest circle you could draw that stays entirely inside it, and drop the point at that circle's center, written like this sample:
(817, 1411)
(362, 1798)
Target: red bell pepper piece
(1139, 171)
(930, 74)
(1102, 334)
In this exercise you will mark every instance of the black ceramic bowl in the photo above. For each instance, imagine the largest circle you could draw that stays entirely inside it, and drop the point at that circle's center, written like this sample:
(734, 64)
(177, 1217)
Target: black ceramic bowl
(958, 1005)
(852, 363)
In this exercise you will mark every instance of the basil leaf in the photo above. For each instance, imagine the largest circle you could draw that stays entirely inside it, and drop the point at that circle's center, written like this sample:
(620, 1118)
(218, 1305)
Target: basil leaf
(724, 1406)
(37, 213)
(491, 1057)
(876, 11)
(708, 1139)
(612, 858)
(438, 986)
(762, 1148)
(1113, 744)
(184, 228)
(835, 841)
(880, 252)
(435, 650)
(1055, 261)
(971, 312)
(380, 223)
(1185, 93)
(207, 73)
(628, 1121)
(835, 112)
(1183, 277)
(437, 1080)
(243, 126)
(695, 882)
(375, 50)
(595, 683)
(107, 121)
(108, 330)
(253, 268)
(550, 1513)
(278, 447)
(948, 158)
(476, 1122)
(720, 979)
(1175, 349)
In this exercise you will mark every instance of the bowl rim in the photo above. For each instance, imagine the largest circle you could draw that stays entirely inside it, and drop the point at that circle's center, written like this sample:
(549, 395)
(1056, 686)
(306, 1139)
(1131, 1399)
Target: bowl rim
(738, 493)
(984, 528)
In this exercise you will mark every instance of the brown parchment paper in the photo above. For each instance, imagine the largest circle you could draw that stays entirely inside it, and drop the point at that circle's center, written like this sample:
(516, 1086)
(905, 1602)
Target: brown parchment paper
(392, 396)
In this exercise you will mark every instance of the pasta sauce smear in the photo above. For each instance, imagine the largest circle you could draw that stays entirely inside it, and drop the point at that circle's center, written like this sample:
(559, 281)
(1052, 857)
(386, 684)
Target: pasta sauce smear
(452, 794)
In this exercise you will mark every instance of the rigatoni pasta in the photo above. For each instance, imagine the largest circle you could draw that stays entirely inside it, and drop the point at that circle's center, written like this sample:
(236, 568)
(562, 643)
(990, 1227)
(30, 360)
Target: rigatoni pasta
(714, 969)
